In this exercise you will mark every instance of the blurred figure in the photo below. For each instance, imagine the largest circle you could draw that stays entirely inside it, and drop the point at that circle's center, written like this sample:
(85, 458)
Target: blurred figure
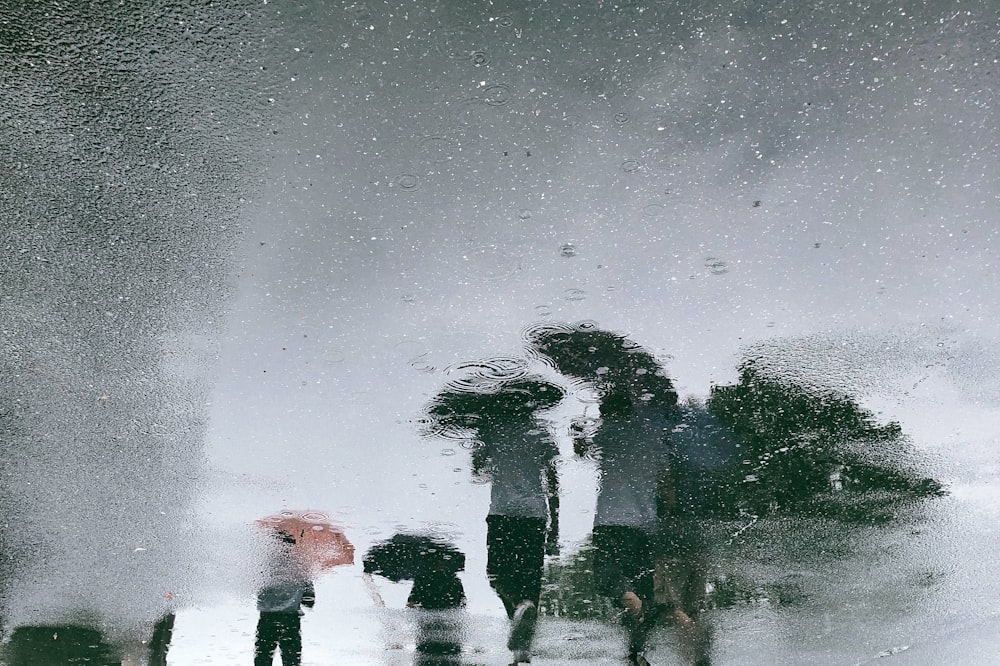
(515, 452)
(680, 586)
(287, 589)
(635, 456)
(151, 651)
(159, 643)
(632, 442)
(432, 564)
(702, 446)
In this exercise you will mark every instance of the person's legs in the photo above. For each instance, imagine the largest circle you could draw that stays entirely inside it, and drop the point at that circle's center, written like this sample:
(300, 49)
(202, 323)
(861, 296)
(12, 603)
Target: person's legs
(515, 558)
(680, 582)
(290, 639)
(268, 634)
(159, 643)
(623, 568)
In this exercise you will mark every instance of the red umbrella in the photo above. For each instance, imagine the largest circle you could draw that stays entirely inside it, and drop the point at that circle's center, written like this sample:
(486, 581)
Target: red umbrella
(321, 544)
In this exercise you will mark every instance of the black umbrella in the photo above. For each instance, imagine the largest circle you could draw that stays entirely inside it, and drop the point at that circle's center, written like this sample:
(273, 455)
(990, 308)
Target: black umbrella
(466, 403)
(463, 407)
(583, 350)
(431, 563)
(621, 368)
(411, 556)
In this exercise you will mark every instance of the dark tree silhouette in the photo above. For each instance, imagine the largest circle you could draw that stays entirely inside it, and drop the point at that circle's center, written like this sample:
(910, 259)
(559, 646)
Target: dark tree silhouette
(58, 645)
(812, 451)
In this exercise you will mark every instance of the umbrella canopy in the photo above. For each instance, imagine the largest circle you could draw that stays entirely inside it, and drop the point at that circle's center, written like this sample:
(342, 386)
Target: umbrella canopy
(619, 366)
(466, 409)
(585, 351)
(321, 544)
(466, 403)
(413, 556)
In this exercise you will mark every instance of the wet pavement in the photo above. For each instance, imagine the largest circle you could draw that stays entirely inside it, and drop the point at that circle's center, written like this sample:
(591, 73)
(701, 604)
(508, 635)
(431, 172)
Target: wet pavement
(268, 256)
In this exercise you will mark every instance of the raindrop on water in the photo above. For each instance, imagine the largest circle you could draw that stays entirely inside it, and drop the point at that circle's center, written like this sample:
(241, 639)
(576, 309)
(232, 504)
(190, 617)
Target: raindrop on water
(408, 182)
(654, 211)
(716, 266)
(479, 58)
(497, 95)
(422, 365)
(524, 214)
(630, 166)
(621, 118)
(543, 310)
(567, 250)
(504, 21)
(490, 263)
(574, 294)
(499, 368)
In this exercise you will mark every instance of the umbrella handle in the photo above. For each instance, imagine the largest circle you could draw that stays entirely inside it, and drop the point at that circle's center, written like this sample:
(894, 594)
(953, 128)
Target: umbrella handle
(373, 590)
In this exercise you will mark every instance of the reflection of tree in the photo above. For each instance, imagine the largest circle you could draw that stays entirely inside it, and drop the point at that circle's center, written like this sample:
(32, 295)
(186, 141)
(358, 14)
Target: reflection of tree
(811, 451)
(569, 590)
(819, 476)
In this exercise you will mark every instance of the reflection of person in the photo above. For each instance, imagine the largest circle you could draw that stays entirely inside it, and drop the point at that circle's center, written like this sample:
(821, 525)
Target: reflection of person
(287, 589)
(516, 454)
(151, 652)
(57, 645)
(159, 643)
(438, 635)
(437, 592)
(635, 459)
(701, 445)
(680, 585)
(638, 409)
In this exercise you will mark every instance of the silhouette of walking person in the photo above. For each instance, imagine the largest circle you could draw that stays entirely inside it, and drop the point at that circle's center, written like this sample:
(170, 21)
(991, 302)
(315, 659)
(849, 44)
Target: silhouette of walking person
(514, 451)
(286, 590)
(638, 411)
(432, 564)
(701, 445)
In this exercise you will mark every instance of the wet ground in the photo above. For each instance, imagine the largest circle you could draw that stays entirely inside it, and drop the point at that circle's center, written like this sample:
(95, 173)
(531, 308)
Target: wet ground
(245, 247)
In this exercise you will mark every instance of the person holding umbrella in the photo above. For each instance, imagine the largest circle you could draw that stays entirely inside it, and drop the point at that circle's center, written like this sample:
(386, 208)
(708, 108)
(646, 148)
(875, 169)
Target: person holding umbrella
(301, 545)
(514, 451)
(702, 447)
(432, 564)
(638, 412)
(286, 590)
